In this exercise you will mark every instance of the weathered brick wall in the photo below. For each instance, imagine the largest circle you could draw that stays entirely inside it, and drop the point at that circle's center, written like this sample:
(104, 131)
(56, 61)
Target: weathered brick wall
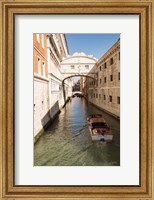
(105, 91)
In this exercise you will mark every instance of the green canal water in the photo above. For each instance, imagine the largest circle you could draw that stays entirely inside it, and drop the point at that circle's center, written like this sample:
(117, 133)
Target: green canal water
(67, 141)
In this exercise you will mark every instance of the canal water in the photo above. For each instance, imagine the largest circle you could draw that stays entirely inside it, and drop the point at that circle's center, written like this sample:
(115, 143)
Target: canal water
(67, 141)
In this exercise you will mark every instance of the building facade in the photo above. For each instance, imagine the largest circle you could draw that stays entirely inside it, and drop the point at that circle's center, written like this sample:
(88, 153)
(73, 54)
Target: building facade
(49, 51)
(57, 51)
(41, 83)
(104, 91)
(53, 83)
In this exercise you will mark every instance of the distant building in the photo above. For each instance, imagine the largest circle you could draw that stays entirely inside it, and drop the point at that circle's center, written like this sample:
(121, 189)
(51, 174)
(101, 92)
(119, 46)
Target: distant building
(82, 83)
(104, 91)
(76, 86)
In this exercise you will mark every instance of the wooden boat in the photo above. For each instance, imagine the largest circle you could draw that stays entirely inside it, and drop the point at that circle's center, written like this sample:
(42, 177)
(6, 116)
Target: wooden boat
(99, 130)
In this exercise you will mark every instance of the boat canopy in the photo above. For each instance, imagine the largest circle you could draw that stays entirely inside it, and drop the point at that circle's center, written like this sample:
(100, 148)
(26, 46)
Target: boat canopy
(97, 120)
(99, 125)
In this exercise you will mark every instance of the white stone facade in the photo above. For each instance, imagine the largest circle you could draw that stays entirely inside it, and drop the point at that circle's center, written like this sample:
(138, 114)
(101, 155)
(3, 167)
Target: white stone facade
(41, 104)
(77, 64)
(57, 50)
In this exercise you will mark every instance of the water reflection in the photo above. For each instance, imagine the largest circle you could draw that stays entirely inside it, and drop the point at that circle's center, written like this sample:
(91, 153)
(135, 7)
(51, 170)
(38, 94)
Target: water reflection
(67, 141)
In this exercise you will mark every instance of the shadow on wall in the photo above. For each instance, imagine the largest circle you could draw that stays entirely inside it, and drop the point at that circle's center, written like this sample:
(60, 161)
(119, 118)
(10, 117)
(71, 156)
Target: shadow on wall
(50, 115)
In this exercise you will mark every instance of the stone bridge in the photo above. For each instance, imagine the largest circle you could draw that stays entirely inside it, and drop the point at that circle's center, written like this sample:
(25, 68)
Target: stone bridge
(76, 92)
(79, 64)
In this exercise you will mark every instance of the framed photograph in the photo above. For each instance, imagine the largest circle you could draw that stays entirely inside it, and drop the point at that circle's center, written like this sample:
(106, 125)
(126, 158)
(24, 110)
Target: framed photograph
(76, 99)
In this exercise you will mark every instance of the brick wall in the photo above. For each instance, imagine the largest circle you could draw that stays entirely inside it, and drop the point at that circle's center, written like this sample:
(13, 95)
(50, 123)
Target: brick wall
(105, 91)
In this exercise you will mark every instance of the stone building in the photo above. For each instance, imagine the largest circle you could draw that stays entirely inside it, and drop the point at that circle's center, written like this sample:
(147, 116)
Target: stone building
(53, 83)
(57, 50)
(49, 51)
(41, 83)
(104, 91)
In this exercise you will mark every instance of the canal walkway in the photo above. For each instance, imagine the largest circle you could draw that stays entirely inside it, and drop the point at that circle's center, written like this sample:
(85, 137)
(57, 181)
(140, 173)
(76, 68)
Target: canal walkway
(67, 141)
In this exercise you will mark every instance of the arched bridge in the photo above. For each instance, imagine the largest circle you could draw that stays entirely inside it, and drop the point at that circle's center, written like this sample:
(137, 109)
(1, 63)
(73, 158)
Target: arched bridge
(77, 92)
(79, 64)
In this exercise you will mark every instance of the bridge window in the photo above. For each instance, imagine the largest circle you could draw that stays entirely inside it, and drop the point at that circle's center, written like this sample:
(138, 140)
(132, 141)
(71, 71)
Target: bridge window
(87, 66)
(72, 67)
(118, 100)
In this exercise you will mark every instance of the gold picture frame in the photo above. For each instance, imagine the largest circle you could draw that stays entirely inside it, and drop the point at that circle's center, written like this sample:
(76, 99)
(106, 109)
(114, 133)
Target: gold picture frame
(10, 8)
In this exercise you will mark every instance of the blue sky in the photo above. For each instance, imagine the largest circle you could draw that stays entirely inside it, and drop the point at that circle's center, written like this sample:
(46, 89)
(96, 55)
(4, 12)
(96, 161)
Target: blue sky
(91, 44)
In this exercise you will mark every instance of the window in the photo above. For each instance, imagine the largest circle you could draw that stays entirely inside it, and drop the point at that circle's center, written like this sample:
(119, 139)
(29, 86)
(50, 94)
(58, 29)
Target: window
(72, 67)
(42, 36)
(38, 37)
(110, 98)
(104, 79)
(39, 65)
(99, 95)
(100, 68)
(104, 97)
(105, 65)
(96, 95)
(118, 100)
(111, 77)
(111, 61)
(42, 105)
(118, 75)
(87, 66)
(43, 68)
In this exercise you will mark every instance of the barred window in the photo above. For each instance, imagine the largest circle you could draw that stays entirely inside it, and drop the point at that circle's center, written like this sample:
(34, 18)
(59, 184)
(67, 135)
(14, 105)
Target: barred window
(118, 100)
(111, 61)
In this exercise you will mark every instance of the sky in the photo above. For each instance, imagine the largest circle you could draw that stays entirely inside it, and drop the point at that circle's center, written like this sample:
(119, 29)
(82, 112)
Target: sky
(91, 44)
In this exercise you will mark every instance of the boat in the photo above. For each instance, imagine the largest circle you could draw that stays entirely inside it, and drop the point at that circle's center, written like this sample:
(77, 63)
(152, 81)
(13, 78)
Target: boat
(99, 129)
